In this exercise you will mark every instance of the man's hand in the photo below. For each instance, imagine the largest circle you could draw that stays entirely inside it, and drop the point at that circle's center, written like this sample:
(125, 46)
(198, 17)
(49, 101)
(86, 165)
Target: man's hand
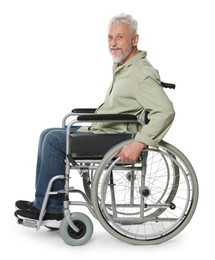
(131, 152)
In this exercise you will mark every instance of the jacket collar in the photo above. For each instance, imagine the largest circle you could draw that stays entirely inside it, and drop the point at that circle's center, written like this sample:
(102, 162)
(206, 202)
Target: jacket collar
(140, 55)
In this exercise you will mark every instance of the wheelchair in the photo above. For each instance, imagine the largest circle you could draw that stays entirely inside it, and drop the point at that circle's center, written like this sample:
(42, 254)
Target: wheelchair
(142, 203)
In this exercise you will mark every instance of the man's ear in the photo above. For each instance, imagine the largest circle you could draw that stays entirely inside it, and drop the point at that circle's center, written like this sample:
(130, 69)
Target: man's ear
(135, 40)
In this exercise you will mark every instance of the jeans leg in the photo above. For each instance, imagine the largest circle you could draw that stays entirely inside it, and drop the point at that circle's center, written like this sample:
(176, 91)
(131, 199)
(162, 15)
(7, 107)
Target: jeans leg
(51, 162)
(40, 152)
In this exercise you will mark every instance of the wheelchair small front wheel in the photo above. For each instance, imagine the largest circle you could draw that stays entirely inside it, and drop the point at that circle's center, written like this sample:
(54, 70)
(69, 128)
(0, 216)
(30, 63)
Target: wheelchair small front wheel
(85, 226)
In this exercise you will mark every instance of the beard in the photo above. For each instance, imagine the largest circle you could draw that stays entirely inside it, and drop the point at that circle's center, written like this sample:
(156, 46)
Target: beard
(123, 56)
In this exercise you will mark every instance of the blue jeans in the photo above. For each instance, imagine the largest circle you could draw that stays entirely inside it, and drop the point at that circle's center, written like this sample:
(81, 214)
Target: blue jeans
(51, 162)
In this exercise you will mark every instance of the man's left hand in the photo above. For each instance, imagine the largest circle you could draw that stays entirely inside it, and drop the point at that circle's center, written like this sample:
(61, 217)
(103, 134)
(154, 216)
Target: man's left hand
(131, 152)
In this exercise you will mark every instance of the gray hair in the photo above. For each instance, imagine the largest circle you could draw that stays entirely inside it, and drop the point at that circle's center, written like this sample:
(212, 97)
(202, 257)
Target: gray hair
(127, 19)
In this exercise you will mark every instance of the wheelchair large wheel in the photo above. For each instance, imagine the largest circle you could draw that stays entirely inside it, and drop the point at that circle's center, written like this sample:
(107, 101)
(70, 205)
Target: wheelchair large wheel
(147, 202)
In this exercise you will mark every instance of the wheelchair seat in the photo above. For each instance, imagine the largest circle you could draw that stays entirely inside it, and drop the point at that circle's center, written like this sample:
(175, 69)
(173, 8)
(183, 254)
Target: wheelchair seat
(94, 146)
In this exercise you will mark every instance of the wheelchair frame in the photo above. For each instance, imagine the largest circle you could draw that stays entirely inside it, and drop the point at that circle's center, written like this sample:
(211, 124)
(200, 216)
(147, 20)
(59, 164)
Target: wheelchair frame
(145, 202)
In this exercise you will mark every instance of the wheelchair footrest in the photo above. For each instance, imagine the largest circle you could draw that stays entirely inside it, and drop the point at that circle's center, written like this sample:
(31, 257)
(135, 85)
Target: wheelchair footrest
(34, 223)
(28, 222)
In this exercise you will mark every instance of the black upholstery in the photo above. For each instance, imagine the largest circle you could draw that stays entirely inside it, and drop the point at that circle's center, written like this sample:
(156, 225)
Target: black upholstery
(94, 146)
(107, 117)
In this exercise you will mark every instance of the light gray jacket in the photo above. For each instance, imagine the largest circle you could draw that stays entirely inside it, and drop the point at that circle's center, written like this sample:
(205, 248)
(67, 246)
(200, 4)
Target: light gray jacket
(135, 89)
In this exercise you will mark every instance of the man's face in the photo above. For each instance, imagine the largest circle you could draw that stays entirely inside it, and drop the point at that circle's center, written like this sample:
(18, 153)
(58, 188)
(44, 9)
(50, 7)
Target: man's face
(120, 41)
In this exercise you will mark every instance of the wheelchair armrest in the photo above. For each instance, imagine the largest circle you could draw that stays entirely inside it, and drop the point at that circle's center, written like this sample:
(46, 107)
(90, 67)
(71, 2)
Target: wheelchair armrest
(83, 110)
(107, 117)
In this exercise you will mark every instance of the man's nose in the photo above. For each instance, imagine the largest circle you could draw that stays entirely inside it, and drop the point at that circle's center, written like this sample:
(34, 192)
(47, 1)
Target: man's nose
(114, 42)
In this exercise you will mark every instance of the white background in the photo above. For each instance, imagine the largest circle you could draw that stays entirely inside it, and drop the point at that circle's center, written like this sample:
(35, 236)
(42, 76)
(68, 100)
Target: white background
(54, 57)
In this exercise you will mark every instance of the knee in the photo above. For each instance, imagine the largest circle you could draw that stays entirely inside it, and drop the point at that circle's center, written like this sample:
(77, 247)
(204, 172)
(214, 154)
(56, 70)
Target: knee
(56, 138)
(45, 132)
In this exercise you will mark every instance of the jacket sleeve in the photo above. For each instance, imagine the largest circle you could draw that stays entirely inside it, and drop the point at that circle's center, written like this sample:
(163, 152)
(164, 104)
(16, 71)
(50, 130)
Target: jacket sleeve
(156, 103)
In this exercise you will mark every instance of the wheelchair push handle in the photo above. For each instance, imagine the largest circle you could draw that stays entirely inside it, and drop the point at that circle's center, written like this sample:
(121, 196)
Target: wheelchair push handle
(167, 85)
